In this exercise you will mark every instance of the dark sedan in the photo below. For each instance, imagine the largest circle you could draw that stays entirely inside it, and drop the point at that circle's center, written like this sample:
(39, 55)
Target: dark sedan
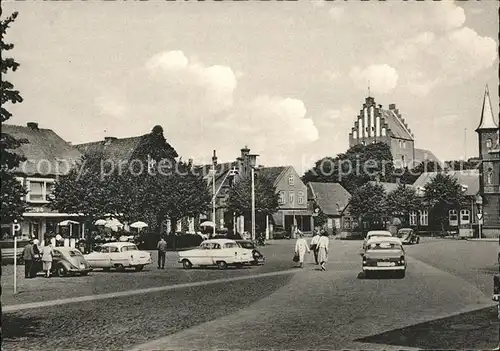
(258, 258)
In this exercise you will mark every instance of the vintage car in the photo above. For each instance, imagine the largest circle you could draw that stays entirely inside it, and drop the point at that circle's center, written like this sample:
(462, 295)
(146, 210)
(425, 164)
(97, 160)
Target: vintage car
(376, 233)
(216, 252)
(384, 254)
(119, 255)
(258, 258)
(68, 261)
(408, 236)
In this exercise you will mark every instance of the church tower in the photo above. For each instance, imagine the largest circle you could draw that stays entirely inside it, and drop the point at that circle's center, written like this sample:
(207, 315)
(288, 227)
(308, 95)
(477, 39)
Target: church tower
(489, 180)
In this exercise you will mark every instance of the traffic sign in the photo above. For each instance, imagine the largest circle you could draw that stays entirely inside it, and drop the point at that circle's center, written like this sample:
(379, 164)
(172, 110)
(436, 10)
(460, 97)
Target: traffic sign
(479, 216)
(16, 227)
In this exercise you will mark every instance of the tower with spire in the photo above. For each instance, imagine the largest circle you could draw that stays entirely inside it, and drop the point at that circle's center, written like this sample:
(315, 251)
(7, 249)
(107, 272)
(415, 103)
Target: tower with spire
(489, 180)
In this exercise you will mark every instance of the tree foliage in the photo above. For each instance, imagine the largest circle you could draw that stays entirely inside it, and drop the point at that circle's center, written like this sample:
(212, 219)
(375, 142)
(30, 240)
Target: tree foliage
(368, 203)
(409, 176)
(442, 194)
(12, 191)
(401, 201)
(266, 198)
(354, 168)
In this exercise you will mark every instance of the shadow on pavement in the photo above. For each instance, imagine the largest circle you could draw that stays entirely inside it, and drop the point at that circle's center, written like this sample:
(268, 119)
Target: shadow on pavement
(379, 275)
(476, 330)
(15, 326)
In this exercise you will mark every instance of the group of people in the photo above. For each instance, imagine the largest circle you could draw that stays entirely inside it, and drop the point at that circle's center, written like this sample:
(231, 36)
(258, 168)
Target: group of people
(35, 256)
(319, 246)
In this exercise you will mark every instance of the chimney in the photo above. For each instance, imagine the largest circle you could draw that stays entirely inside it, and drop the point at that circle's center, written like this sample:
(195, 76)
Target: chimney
(392, 106)
(245, 151)
(32, 125)
(214, 158)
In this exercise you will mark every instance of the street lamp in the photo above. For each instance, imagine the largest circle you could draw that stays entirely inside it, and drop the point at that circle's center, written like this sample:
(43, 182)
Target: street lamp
(253, 203)
(479, 204)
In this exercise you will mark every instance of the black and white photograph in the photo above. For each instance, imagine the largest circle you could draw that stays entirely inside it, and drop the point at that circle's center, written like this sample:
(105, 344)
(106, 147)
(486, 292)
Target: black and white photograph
(250, 175)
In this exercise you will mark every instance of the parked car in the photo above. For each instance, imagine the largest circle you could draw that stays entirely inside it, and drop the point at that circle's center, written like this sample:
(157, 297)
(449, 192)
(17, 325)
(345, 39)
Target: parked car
(376, 233)
(68, 261)
(384, 254)
(216, 252)
(280, 233)
(7, 247)
(258, 258)
(408, 236)
(119, 255)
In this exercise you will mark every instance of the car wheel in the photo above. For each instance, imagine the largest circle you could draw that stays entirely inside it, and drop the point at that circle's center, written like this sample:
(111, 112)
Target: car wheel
(418, 240)
(222, 264)
(61, 271)
(106, 269)
(120, 267)
(238, 265)
(255, 263)
(186, 264)
(139, 268)
(85, 273)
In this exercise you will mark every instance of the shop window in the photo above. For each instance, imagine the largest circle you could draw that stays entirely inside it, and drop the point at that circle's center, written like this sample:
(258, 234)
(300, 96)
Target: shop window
(424, 217)
(413, 218)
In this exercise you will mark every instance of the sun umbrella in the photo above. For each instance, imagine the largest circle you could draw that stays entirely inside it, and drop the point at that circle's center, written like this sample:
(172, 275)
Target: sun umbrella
(100, 222)
(112, 223)
(207, 224)
(67, 222)
(138, 225)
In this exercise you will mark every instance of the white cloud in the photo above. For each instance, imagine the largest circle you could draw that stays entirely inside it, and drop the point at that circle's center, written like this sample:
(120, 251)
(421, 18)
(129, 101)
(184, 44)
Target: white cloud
(382, 78)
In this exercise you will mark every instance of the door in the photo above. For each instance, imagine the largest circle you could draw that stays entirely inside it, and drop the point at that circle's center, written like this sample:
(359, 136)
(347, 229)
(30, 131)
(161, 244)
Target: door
(118, 258)
(217, 253)
(99, 259)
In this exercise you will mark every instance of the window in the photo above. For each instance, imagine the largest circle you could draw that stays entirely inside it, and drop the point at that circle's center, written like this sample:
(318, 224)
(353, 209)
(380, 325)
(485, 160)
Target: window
(453, 217)
(347, 223)
(465, 216)
(403, 161)
(129, 248)
(384, 131)
(413, 218)
(291, 198)
(400, 144)
(424, 217)
(281, 197)
(404, 144)
(113, 249)
(300, 198)
(489, 143)
(489, 176)
(39, 190)
(215, 246)
(230, 245)
(291, 179)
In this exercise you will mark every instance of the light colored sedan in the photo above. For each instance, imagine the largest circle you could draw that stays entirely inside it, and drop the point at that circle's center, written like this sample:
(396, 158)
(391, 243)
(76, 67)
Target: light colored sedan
(384, 254)
(119, 255)
(216, 252)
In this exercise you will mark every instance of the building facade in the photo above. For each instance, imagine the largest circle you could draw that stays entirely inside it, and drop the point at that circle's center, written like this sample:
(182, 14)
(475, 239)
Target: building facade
(374, 124)
(489, 179)
(47, 156)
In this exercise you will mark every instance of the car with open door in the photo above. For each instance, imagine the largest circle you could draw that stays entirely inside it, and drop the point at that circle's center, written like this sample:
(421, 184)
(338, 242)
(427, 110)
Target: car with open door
(119, 255)
(216, 252)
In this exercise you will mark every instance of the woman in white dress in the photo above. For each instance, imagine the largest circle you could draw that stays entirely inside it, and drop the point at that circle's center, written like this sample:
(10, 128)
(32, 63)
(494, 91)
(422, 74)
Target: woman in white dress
(323, 244)
(301, 247)
(47, 258)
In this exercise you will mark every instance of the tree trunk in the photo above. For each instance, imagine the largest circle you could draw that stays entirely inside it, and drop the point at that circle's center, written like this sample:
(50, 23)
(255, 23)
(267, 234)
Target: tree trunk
(173, 228)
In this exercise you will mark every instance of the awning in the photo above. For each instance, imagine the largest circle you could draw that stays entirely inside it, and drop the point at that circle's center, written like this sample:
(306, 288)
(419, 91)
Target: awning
(296, 212)
(50, 214)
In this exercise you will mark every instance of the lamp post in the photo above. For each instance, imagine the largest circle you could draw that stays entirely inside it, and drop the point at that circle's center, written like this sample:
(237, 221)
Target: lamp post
(479, 203)
(213, 199)
(253, 203)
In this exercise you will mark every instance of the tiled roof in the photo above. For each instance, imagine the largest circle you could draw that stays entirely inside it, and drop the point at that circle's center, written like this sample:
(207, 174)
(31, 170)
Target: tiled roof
(330, 197)
(422, 155)
(115, 150)
(396, 126)
(388, 187)
(468, 178)
(46, 152)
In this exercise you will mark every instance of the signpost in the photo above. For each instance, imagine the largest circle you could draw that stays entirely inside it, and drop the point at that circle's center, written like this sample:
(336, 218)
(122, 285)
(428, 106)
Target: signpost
(15, 228)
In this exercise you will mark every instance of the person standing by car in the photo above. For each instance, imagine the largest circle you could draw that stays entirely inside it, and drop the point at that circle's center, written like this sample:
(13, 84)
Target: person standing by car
(314, 244)
(323, 244)
(35, 267)
(47, 258)
(300, 248)
(28, 259)
(162, 253)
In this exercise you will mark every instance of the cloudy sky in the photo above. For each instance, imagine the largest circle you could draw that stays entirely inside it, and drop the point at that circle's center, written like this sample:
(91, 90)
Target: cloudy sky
(286, 79)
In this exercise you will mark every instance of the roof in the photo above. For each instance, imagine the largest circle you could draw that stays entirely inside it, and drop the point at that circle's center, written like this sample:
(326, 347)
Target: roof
(332, 198)
(488, 120)
(220, 169)
(273, 173)
(385, 239)
(396, 125)
(422, 155)
(389, 187)
(119, 244)
(379, 232)
(46, 152)
(467, 178)
(113, 149)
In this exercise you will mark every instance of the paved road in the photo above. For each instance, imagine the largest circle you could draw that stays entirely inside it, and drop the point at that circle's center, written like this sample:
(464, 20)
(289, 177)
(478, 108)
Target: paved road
(306, 310)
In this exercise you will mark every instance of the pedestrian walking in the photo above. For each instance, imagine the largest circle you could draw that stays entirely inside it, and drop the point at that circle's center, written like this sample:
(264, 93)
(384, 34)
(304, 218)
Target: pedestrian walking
(301, 247)
(323, 244)
(314, 245)
(36, 263)
(47, 254)
(162, 253)
(28, 259)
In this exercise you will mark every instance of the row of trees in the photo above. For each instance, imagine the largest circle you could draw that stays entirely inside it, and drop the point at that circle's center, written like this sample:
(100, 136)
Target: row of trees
(372, 205)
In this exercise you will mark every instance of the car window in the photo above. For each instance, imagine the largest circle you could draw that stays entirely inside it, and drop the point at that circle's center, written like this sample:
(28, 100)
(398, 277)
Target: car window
(129, 248)
(102, 249)
(384, 246)
(246, 245)
(113, 249)
(74, 253)
(56, 253)
(205, 246)
(230, 245)
(215, 246)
